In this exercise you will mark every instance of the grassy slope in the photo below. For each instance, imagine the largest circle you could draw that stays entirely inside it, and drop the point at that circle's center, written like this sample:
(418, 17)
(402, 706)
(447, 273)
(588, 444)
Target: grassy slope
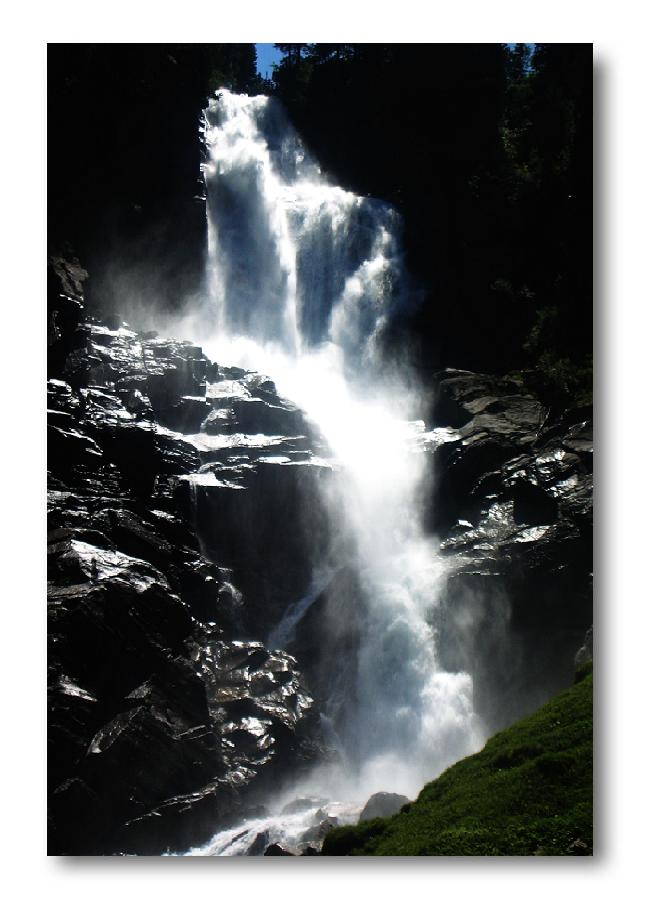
(529, 791)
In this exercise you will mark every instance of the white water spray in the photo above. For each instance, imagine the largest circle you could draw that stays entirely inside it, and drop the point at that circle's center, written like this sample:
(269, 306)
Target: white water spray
(303, 278)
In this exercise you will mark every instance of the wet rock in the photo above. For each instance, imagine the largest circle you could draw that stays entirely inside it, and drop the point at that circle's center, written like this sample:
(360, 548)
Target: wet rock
(514, 508)
(260, 384)
(462, 395)
(256, 416)
(532, 505)
(186, 415)
(259, 845)
(264, 520)
(160, 723)
(220, 422)
(68, 446)
(382, 804)
(61, 396)
(250, 404)
(328, 632)
(231, 372)
(253, 694)
(143, 452)
(65, 309)
(299, 805)
(160, 739)
(277, 850)
(182, 821)
(315, 835)
(495, 418)
(161, 726)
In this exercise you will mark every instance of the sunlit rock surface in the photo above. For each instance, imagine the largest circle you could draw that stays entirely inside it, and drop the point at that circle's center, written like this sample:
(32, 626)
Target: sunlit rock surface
(164, 718)
(513, 504)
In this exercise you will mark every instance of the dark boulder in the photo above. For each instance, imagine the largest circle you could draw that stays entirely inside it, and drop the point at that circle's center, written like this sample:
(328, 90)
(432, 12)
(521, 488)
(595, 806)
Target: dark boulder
(277, 850)
(258, 846)
(315, 835)
(382, 804)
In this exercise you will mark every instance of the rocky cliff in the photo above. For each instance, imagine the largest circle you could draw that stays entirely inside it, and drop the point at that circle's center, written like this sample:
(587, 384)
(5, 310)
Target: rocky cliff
(186, 525)
(164, 712)
(513, 506)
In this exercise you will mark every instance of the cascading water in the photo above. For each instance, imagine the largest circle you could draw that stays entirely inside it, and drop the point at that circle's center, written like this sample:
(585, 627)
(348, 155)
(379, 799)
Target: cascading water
(303, 277)
(293, 260)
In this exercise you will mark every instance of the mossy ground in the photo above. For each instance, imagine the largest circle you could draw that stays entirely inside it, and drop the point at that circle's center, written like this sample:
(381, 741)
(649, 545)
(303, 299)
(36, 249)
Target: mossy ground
(528, 792)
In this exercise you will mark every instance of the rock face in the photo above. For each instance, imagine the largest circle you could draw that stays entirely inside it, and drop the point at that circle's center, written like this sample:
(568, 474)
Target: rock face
(260, 512)
(163, 716)
(513, 504)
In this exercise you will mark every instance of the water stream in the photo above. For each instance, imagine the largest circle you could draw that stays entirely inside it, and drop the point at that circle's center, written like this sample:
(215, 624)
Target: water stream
(303, 278)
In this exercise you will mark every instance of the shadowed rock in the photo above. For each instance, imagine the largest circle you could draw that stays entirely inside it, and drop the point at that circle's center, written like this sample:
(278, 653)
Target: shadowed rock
(513, 503)
(163, 719)
(277, 850)
(382, 804)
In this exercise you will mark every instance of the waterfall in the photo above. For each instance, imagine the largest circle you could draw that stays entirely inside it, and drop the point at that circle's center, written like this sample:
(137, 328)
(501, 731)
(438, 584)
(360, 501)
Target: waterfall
(292, 260)
(303, 278)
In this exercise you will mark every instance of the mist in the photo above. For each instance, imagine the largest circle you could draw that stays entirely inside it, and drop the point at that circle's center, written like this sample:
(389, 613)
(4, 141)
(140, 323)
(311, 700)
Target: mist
(303, 279)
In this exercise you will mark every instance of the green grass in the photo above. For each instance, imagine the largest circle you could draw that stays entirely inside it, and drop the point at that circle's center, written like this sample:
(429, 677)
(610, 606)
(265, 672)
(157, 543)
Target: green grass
(528, 792)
